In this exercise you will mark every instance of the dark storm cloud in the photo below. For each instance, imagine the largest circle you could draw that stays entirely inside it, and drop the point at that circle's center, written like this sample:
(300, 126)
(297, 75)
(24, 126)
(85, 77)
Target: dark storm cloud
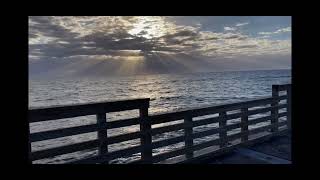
(101, 43)
(42, 25)
(180, 37)
(120, 41)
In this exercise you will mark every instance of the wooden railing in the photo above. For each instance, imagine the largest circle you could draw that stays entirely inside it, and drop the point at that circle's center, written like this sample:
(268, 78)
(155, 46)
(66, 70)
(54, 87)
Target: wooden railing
(189, 152)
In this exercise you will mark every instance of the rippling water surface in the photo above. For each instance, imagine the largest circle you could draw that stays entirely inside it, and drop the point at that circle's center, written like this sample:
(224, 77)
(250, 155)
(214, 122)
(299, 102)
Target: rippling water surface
(167, 93)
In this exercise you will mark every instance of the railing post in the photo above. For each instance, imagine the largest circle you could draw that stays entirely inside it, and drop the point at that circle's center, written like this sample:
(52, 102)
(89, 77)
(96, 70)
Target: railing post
(289, 95)
(102, 134)
(146, 138)
(188, 130)
(244, 124)
(223, 132)
(29, 146)
(275, 111)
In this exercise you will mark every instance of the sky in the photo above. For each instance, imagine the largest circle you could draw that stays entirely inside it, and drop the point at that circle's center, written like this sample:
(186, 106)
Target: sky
(81, 46)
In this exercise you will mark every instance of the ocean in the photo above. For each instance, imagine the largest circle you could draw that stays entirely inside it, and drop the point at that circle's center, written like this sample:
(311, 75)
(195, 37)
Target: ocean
(168, 92)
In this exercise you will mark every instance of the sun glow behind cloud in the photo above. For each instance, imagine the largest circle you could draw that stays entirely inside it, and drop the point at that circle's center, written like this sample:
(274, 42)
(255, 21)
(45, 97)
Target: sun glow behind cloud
(149, 27)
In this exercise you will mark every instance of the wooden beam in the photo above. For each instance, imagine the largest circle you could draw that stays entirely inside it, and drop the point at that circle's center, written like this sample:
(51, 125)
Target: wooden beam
(188, 132)
(289, 109)
(146, 139)
(69, 111)
(275, 111)
(244, 123)
(223, 132)
(87, 145)
(102, 134)
(167, 142)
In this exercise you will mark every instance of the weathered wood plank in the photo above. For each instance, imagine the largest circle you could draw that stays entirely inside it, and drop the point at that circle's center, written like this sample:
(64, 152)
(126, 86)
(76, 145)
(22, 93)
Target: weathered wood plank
(123, 152)
(167, 142)
(283, 97)
(167, 155)
(282, 114)
(167, 117)
(259, 120)
(217, 152)
(205, 121)
(146, 138)
(109, 156)
(275, 111)
(282, 106)
(282, 87)
(261, 129)
(169, 128)
(40, 136)
(207, 133)
(233, 116)
(52, 134)
(123, 123)
(223, 132)
(237, 136)
(231, 106)
(102, 134)
(124, 137)
(244, 123)
(289, 109)
(254, 132)
(233, 126)
(184, 150)
(29, 143)
(283, 123)
(203, 145)
(215, 119)
(171, 116)
(261, 110)
(69, 111)
(188, 132)
(64, 149)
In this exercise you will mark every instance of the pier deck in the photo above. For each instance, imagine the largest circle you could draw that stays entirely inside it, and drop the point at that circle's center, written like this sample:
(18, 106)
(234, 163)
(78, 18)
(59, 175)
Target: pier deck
(277, 150)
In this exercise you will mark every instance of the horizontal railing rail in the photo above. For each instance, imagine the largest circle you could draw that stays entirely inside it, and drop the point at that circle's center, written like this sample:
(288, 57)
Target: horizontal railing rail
(59, 112)
(239, 118)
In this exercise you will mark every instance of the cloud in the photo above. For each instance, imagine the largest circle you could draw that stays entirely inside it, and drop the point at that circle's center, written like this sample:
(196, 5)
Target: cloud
(229, 29)
(283, 30)
(118, 38)
(242, 24)
(247, 46)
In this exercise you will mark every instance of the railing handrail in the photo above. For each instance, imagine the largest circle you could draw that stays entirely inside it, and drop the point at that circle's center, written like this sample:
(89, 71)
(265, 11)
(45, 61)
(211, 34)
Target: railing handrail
(146, 100)
(234, 104)
(282, 87)
(146, 121)
(75, 110)
(87, 103)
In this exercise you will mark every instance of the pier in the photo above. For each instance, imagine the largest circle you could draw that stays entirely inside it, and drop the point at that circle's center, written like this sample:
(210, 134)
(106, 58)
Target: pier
(248, 145)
